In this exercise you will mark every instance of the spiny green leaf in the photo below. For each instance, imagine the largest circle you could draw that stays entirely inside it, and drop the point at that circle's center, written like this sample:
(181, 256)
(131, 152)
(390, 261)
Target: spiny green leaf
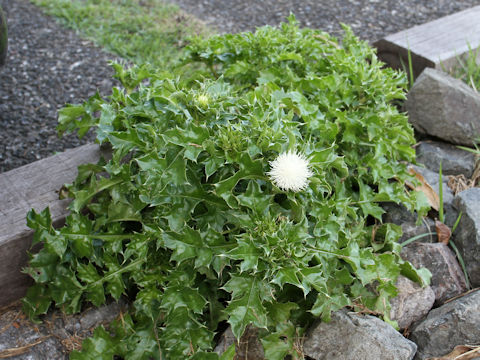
(288, 276)
(182, 332)
(248, 253)
(37, 302)
(184, 244)
(250, 169)
(179, 296)
(83, 196)
(326, 304)
(279, 312)
(282, 343)
(422, 276)
(254, 198)
(101, 346)
(246, 306)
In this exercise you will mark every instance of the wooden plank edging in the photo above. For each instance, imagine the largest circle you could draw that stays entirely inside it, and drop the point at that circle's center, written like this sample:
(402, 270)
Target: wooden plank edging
(435, 44)
(36, 186)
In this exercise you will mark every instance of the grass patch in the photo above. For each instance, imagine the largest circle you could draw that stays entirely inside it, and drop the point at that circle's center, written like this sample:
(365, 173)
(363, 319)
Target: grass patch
(468, 69)
(142, 31)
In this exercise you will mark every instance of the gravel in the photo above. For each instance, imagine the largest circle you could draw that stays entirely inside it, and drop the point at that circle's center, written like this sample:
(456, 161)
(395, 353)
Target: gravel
(48, 65)
(370, 19)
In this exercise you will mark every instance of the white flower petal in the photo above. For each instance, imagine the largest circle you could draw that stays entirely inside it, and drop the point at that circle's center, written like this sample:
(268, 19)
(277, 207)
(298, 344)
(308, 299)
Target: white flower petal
(290, 171)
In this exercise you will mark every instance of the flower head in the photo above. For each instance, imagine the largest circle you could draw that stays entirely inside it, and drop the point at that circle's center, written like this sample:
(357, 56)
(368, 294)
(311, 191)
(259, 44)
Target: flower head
(203, 100)
(290, 171)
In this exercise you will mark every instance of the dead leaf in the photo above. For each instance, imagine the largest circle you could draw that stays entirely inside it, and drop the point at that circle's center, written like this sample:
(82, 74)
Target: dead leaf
(443, 232)
(425, 187)
(374, 232)
(461, 352)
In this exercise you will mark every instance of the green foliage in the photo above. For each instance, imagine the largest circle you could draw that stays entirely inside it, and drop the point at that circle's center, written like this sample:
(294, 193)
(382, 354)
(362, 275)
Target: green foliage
(147, 31)
(185, 221)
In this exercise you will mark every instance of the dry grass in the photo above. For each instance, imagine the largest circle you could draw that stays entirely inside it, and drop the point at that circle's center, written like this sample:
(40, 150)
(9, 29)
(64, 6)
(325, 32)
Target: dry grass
(460, 183)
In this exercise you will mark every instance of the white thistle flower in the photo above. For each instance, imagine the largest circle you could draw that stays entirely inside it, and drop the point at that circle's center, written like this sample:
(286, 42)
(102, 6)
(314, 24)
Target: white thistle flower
(290, 171)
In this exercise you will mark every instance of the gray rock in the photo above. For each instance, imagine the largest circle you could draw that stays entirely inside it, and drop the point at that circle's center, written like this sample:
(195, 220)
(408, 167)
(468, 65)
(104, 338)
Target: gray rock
(400, 215)
(454, 161)
(23, 340)
(412, 303)
(356, 337)
(226, 340)
(467, 235)
(447, 276)
(248, 348)
(397, 214)
(55, 337)
(444, 107)
(454, 323)
(427, 227)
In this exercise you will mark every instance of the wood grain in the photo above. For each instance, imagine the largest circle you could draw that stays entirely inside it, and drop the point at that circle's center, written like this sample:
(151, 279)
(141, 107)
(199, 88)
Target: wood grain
(33, 186)
(435, 44)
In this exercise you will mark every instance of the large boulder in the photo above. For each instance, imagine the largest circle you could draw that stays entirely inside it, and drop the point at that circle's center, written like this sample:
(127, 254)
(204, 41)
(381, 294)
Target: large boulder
(467, 235)
(454, 323)
(412, 303)
(444, 107)
(447, 276)
(454, 161)
(351, 336)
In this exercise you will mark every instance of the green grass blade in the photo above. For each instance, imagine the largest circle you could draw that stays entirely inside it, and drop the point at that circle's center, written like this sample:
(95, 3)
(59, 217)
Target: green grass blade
(462, 263)
(467, 68)
(476, 151)
(410, 66)
(457, 222)
(415, 238)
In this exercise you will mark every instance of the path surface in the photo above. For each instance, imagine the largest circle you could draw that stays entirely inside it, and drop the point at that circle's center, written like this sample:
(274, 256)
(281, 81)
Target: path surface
(48, 65)
(370, 19)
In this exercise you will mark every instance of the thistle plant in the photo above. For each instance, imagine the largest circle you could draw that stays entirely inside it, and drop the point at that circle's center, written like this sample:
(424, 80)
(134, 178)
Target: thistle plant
(245, 194)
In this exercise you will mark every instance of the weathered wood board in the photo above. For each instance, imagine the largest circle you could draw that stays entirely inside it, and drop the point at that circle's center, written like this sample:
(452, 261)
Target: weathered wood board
(436, 44)
(36, 186)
